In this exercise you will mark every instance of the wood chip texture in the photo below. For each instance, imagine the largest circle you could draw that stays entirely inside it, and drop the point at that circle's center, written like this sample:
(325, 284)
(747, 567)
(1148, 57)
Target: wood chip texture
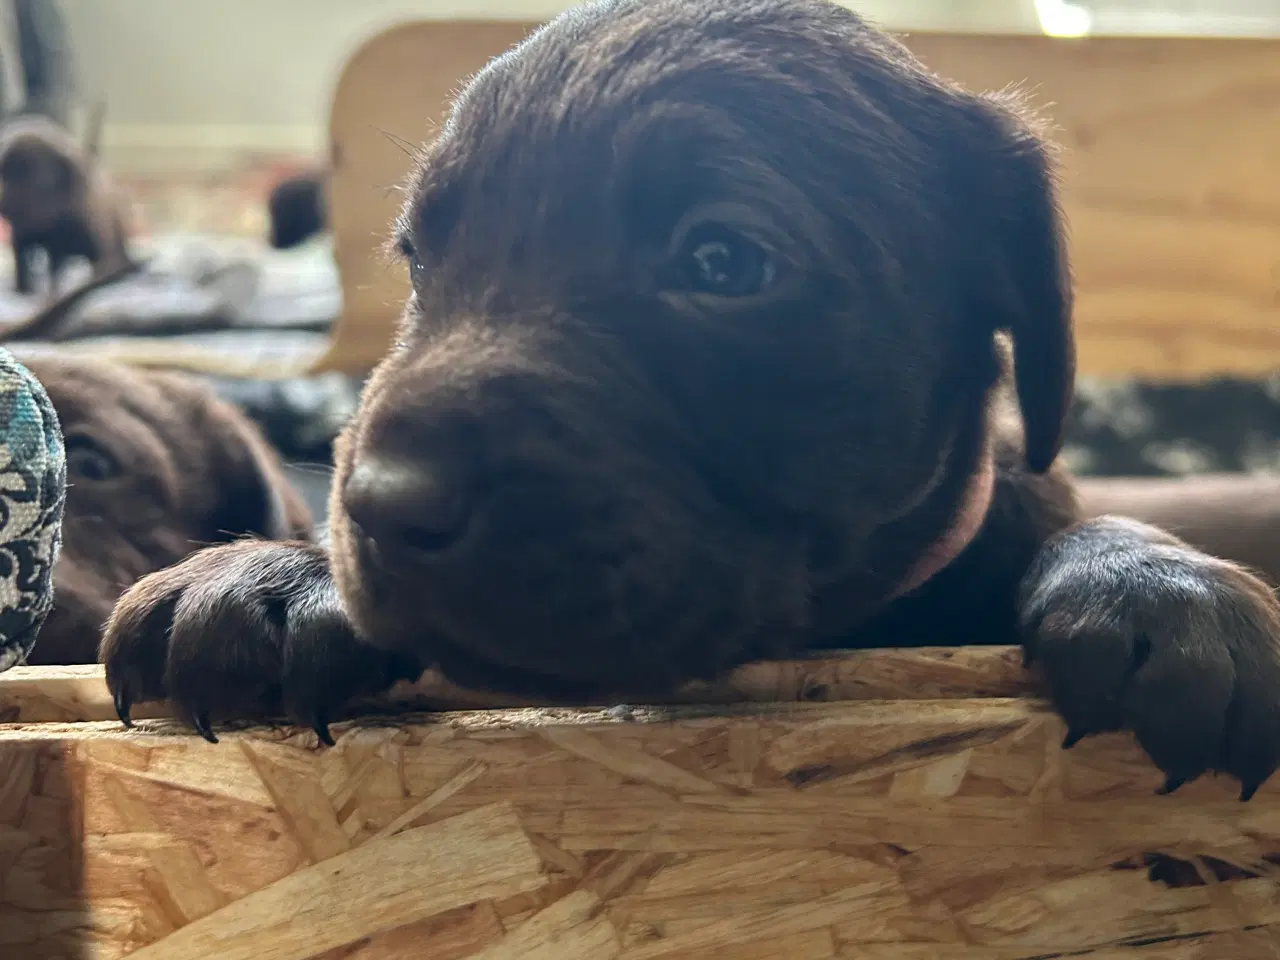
(832, 814)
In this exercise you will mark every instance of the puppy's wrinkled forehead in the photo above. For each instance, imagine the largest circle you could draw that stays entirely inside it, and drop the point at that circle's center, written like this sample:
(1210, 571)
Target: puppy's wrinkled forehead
(148, 422)
(621, 114)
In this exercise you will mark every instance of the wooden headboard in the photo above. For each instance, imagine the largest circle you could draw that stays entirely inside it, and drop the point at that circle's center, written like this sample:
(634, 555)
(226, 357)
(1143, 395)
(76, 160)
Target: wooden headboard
(1171, 182)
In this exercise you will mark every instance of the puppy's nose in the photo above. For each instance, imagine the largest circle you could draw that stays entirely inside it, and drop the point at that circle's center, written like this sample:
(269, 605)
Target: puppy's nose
(408, 506)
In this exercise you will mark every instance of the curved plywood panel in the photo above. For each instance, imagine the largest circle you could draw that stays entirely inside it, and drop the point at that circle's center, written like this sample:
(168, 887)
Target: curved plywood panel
(1172, 181)
(1172, 189)
(392, 92)
(885, 805)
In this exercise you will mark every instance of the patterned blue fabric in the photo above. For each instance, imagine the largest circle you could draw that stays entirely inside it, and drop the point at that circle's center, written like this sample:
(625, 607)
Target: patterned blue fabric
(33, 482)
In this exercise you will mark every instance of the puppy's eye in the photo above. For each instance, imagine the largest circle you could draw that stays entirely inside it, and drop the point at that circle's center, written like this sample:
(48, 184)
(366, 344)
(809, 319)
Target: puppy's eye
(88, 460)
(716, 260)
(409, 252)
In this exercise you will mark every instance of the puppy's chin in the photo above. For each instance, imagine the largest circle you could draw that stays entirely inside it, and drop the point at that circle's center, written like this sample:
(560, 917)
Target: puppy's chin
(570, 619)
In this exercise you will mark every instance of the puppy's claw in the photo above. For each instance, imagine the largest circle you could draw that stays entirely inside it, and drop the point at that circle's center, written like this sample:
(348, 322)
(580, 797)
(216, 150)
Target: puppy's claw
(1171, 784)
(321, 727)
(1072, 738)
(203, 727)
(124, 704)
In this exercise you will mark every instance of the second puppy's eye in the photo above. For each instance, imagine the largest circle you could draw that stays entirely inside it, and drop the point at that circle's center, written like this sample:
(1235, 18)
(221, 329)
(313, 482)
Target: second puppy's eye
(89, 460)
(717, 260)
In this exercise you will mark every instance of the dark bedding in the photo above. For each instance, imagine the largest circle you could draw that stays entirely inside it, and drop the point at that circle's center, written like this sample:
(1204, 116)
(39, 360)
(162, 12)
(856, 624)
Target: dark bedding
(251, 319)
(1133, 428)
(217, 305)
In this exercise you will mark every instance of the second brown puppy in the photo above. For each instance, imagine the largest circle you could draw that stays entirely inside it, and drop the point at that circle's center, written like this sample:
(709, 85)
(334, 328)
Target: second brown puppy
(56, 199)
(157, 467)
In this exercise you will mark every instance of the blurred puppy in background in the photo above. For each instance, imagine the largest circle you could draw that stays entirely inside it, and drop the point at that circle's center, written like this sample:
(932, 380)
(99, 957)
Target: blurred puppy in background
(56, 198)
(297, 210)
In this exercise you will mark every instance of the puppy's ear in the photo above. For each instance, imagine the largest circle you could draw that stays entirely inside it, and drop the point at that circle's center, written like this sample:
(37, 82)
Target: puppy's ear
(245, 488)
(1024, 280)
(254, 497)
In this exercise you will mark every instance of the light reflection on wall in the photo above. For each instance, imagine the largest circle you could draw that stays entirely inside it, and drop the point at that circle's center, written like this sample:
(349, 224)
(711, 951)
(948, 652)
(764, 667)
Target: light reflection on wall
(1059, 18)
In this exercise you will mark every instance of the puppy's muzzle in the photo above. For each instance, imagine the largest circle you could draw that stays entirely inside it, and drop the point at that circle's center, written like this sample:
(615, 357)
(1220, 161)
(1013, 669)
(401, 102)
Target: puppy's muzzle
(413, 494)
(407, 509)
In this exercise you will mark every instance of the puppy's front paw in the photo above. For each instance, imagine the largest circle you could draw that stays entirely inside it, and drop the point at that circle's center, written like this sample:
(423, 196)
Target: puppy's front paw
(1135, 630)
(247, 630)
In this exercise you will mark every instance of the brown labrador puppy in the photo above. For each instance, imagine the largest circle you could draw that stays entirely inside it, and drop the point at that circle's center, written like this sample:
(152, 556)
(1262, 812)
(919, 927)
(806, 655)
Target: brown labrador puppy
(697, 368)
(56, 199)
(157, 467)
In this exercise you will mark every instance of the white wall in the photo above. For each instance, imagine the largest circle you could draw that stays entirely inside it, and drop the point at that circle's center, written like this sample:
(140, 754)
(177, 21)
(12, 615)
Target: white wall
(193, 82)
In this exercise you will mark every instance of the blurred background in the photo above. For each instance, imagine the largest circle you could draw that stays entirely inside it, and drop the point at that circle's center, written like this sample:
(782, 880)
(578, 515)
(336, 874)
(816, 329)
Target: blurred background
(245, 80)
(1169, 111)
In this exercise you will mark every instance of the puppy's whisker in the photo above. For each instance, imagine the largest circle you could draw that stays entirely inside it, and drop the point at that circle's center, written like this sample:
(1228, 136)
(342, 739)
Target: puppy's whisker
(406, 146)
(317, 469)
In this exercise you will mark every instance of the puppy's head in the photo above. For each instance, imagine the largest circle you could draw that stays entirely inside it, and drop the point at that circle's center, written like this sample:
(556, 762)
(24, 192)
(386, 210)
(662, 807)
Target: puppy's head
(42, 173)
(699, 346)
(157, 467)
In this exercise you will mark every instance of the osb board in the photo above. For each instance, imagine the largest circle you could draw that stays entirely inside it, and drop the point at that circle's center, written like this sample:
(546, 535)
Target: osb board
(923, 829)
(1171, 150)
(78, 694)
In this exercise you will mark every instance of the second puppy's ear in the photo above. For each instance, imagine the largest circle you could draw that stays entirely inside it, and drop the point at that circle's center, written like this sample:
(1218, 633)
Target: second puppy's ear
(252, 496)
